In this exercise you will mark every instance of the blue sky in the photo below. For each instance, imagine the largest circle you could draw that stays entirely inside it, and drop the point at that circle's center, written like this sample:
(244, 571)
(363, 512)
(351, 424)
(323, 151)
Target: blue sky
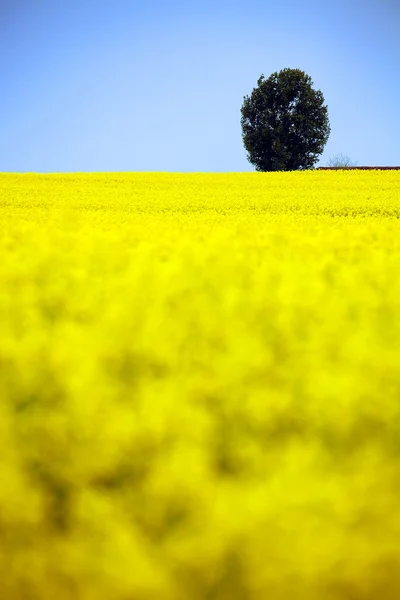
(146, 85)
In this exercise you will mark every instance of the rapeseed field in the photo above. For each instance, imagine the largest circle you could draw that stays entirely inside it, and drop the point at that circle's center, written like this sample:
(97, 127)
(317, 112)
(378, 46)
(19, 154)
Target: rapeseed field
(200, 386)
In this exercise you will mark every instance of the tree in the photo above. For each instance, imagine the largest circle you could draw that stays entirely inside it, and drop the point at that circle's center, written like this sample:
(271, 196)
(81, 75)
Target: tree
(285, 123)
(341, 162)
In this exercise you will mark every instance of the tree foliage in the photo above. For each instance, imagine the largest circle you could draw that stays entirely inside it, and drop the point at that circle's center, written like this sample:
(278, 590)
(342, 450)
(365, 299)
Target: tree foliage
(285, 123)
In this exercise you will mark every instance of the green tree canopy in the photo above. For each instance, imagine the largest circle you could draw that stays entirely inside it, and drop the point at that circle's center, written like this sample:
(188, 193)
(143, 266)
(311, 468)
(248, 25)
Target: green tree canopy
(284, 122)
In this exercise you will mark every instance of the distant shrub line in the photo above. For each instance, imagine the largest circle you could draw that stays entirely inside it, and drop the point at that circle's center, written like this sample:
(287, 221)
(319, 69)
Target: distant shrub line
(358, 168)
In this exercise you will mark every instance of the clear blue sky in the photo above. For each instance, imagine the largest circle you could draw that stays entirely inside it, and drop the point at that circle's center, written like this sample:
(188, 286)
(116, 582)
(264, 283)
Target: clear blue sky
(157, 85)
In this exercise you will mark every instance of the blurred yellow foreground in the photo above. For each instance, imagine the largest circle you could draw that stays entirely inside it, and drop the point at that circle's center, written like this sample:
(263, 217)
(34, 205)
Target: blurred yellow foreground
(200, 386)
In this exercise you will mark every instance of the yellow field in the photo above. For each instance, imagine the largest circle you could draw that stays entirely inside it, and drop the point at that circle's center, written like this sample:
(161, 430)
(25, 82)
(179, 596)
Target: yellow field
(200, 386)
